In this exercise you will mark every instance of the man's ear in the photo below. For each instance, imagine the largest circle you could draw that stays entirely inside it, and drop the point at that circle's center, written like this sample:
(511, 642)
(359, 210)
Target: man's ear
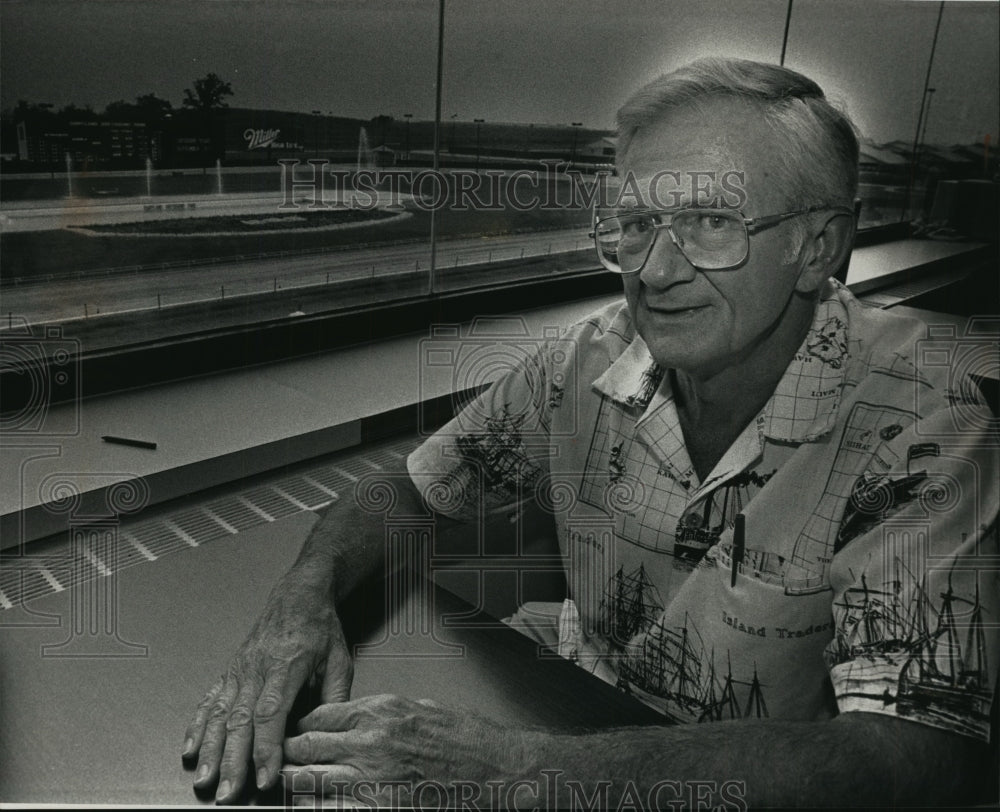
(824, 251)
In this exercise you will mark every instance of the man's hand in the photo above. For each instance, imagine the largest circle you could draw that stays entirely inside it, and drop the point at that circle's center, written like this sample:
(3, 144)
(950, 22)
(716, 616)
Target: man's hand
(298, 637)
(378, 740)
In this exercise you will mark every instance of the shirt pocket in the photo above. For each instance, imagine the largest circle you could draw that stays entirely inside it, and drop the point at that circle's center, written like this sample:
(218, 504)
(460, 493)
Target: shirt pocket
(752, 648)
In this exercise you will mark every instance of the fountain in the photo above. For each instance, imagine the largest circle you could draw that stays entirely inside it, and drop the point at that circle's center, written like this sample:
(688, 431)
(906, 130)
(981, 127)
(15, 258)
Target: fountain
(69, 175)
(218, 176)
(366, 158)
(149, 177)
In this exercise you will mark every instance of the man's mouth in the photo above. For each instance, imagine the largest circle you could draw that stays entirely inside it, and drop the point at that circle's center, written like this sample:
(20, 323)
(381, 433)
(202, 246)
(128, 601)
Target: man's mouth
(673, 309)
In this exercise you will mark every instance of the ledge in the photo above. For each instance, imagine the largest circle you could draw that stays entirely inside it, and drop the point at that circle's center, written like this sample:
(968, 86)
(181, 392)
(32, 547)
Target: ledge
(222, 427)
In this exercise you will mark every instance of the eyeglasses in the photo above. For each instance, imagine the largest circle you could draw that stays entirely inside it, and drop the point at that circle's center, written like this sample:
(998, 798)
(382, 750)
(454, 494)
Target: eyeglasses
(710, 239)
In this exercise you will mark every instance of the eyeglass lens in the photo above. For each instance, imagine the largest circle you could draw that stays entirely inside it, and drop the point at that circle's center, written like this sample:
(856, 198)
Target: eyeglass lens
(709, 239)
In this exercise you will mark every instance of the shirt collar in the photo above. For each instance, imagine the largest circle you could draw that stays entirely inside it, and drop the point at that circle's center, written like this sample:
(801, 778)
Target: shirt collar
(804, 405)
(633, 378)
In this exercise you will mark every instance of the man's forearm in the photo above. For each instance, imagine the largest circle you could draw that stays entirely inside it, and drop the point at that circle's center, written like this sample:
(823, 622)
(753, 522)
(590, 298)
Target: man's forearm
(348, 543)
(346, 546)
(855, 759)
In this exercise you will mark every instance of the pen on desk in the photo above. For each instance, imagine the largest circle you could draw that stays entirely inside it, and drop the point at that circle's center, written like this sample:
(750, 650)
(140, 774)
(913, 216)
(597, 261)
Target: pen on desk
(739, 545)
(108, 438)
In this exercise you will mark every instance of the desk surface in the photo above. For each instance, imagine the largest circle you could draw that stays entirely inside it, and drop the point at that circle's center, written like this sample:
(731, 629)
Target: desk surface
(100, 727)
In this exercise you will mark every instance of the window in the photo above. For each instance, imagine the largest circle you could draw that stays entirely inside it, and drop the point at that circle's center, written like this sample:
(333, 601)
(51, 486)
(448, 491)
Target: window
(180, 169)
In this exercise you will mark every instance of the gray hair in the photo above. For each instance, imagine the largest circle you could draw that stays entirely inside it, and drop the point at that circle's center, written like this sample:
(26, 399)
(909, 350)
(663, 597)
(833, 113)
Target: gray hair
(819, 142)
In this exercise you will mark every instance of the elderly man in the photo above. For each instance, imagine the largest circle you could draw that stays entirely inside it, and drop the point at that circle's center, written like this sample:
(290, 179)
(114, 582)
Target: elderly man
(773, 516)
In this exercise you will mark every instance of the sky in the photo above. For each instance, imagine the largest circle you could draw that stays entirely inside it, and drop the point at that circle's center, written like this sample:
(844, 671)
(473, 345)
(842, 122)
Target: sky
(540, 61)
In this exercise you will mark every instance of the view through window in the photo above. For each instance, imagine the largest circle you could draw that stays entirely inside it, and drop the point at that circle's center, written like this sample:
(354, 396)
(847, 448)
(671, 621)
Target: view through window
(175, 167)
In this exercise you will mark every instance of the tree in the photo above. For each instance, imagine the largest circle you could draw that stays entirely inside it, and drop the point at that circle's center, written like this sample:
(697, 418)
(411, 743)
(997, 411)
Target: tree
(149, 108)
(152, 107)
(26, 109)
(73, 112)
(121, 110)
(382, 124)
(208, 94)
(206, 101)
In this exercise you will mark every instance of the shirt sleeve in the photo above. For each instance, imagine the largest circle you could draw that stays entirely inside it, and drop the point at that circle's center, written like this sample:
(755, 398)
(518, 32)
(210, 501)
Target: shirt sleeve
(916, 578)
(494, 452)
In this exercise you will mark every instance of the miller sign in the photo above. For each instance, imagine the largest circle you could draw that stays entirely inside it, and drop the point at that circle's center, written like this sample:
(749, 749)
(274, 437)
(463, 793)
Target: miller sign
(259, 139)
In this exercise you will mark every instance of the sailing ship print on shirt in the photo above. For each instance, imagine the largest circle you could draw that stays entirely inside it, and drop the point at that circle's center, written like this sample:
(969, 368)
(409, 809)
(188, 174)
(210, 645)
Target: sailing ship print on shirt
(696, 533)
(877, 497)
(499, 456)
(897, 645)
(631, 605)
(671, 667)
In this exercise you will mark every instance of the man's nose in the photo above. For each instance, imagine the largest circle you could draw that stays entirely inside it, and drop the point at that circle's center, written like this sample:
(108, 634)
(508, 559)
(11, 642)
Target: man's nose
(666, 265)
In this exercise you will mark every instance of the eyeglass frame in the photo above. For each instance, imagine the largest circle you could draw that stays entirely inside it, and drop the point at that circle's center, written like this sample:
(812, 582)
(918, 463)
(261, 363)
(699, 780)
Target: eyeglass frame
(751, 225)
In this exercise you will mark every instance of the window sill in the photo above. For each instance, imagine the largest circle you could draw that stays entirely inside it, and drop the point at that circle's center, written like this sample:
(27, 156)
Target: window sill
(225, 426)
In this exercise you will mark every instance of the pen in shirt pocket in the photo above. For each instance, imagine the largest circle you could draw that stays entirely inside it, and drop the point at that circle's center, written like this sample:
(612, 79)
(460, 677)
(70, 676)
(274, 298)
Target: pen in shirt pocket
(739, 545)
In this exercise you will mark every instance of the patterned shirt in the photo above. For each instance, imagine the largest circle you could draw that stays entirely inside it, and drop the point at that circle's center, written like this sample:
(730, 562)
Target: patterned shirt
(867, 577)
